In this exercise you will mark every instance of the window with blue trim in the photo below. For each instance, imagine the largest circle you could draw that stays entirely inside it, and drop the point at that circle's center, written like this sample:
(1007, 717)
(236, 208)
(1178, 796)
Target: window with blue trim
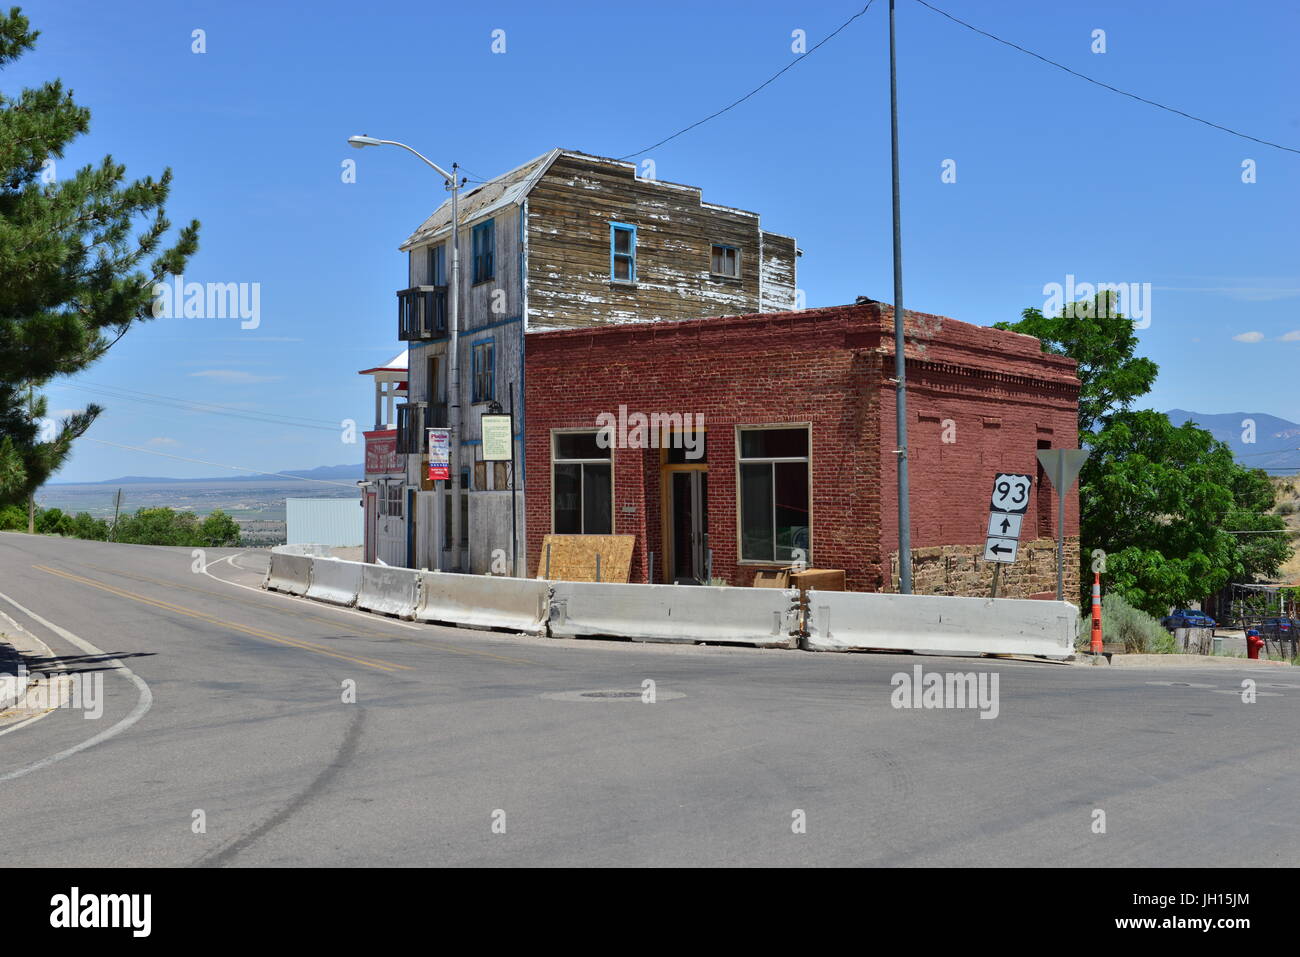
(484, 366)
(437, 265)
(484, 242)
(622, 252)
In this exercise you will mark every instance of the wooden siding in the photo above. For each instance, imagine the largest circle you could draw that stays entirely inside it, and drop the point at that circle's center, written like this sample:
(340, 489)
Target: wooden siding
(569, 284)
(777, 273)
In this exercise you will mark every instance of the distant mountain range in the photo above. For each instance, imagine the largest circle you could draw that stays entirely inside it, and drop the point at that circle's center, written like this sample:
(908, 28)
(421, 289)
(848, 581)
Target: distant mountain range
(345, 472)
(1277, 442)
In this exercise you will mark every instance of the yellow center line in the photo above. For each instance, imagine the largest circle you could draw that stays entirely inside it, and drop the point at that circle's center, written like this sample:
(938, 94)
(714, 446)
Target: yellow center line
(376, 663)
(327, 621)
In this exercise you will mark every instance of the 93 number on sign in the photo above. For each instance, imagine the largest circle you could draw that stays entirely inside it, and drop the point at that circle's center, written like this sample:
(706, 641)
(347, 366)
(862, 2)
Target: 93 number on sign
(1011, 493)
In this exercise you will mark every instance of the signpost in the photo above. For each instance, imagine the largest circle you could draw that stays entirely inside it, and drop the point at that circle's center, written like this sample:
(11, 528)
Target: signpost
(1062, 468)
(1007, 507)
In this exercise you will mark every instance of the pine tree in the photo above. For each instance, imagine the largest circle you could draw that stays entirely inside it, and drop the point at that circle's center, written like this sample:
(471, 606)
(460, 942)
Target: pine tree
(74, 274)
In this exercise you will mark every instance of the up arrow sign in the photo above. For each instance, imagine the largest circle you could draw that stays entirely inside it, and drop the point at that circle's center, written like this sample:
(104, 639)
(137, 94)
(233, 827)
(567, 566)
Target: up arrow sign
(1006, 523)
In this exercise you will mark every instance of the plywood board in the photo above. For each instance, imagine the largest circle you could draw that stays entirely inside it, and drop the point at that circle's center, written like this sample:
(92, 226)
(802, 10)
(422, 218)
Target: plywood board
(573, 557)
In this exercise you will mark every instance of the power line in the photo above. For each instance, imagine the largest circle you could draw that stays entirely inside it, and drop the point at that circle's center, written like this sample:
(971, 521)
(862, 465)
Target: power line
(185, 405)
(215, 405)
(219, 465)
(1107, 86)
(800, 58)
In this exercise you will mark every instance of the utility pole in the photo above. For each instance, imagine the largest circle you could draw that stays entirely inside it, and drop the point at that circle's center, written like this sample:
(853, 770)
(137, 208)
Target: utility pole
(453, 370)
(900, 364)
(453, 183)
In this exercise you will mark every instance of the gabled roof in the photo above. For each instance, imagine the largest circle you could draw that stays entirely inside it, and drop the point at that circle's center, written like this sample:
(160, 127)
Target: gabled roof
(507, 189)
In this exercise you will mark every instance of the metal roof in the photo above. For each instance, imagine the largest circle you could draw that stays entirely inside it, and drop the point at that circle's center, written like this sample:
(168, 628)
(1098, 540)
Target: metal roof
(505, 190)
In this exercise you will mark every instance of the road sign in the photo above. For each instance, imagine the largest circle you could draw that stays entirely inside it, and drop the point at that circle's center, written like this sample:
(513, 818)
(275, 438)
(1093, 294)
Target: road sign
(1062, 466)
(1000, 550)
(1004, 525)
(1011, 493)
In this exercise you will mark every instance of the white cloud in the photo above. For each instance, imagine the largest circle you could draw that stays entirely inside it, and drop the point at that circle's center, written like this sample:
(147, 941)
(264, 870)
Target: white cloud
(1291, 336)
(1249, 337)
(234, 376)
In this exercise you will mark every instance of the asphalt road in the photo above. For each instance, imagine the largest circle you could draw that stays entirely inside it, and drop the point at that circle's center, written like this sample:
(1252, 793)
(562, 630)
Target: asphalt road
(228, 701)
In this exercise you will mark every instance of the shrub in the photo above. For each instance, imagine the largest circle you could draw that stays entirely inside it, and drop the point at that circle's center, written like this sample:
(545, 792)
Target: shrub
(84, 525)
(52, 521)
(165, 526)
(1140, 633)
(13, 518)
(158, 526)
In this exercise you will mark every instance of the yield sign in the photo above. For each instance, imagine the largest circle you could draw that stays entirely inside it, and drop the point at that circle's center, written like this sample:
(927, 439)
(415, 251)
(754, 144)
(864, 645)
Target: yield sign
(1062, 466)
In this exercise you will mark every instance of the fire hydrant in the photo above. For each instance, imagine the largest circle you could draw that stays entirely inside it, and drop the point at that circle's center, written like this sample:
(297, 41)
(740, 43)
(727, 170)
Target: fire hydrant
(1253, 643)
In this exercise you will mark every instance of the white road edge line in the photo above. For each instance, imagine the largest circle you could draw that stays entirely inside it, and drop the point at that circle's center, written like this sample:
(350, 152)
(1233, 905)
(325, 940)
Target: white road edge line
(308, 601)
(138, 712)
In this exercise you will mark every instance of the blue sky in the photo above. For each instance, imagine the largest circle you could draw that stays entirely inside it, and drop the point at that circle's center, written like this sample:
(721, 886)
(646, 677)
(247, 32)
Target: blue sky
(1055, 176)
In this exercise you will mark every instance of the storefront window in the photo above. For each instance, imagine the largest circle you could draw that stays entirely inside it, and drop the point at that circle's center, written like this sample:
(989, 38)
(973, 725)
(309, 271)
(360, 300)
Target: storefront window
(774, 501)
(581, 485)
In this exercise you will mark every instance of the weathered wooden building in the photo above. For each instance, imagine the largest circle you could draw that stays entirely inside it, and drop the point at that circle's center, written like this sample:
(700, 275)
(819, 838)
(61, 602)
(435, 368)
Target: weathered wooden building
(566, 240)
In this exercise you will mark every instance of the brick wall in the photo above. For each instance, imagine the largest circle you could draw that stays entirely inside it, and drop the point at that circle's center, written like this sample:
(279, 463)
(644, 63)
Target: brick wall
(979, 401)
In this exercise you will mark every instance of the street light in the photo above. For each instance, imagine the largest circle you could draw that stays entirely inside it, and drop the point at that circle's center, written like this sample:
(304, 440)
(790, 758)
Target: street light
(453, 183)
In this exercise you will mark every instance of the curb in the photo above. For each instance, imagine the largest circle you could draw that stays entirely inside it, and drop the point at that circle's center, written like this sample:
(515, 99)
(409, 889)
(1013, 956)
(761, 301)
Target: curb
(1174, 661)
(16, 645)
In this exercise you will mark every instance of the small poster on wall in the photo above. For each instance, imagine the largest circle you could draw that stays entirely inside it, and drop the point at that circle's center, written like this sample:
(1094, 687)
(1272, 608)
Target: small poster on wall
(439, 454)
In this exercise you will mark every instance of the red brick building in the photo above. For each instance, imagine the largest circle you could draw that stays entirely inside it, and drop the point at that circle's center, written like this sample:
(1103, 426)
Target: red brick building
(798, 454)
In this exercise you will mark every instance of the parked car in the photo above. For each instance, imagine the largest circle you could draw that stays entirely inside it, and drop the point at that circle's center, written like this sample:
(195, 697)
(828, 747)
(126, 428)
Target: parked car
(1283, 628)
(1187, 618)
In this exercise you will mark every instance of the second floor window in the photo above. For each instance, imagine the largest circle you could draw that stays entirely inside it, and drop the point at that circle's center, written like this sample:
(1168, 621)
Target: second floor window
(725, 261)
(622, 252)
(437, 272)
(484, 244)
(485, 368)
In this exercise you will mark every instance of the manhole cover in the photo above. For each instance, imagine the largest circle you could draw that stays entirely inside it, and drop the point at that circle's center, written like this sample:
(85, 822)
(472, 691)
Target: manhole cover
(615, 694)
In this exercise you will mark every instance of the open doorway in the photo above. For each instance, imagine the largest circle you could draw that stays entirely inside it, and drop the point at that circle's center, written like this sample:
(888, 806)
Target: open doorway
(688, 527)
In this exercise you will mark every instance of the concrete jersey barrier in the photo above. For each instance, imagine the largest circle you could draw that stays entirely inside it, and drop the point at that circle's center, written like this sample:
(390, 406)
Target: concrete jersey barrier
(335, 581)
(851, 621)
(389, 590)
(288, 573)
(675, 613)
(484, 601)
(311, 551)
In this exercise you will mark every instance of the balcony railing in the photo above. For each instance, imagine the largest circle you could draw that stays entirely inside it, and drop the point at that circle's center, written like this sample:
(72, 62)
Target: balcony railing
(413, 419)
(421, 313)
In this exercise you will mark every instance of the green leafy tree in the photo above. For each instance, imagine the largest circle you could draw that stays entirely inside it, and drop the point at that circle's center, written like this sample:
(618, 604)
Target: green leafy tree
(84, 525)
(218, 530)
(76, 273)
(1103, 344)
(158, 526)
